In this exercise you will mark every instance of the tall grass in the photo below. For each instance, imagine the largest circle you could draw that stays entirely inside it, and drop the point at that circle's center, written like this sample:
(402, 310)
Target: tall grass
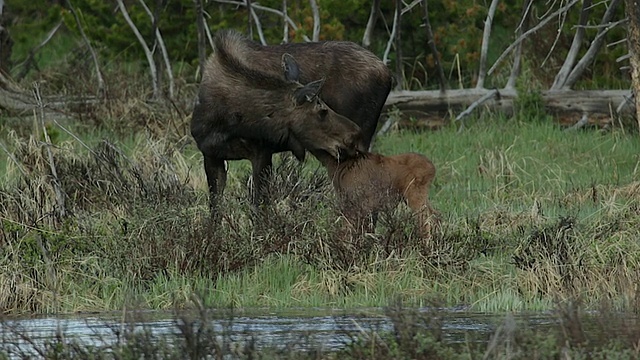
(532, 215)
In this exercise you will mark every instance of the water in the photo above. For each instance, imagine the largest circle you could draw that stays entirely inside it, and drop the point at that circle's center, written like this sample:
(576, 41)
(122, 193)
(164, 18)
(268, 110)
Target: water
(299, 329)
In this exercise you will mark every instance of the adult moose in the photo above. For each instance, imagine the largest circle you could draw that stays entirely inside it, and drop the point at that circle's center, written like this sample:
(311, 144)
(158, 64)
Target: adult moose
(251, 104)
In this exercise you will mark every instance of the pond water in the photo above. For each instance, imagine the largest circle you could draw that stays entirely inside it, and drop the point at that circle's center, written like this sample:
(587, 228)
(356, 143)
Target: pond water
(300, 329)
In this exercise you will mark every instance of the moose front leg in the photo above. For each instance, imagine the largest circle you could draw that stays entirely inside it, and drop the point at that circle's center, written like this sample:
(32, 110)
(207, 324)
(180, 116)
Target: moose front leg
(217, 180)
(262, 168)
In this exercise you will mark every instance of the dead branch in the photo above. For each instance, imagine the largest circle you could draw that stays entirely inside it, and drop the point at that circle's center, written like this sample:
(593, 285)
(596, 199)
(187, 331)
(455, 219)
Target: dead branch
(285, 35)
(398, 45)
(432, 46)
(529, 32)
(256, 19)
(145, 48)
(203, 33)
(484, 50)
(562, 101)
(371, 23)
(266, 9)
(632, 10)
(39, 113)
(524, 24)
(30, 60)
(595, 46)
(491, 94)
(249, 11)
(94, 55)
(584, 120)
(163, 50)
(316, 20)
(392, 36)
(572, 55)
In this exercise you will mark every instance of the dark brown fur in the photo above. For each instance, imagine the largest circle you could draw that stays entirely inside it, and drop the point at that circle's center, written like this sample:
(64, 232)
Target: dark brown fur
(249, 108)
(368, 183)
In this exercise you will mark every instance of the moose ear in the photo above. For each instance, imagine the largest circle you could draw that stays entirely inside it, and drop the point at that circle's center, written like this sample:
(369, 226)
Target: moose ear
(308, 92)
(290, 67)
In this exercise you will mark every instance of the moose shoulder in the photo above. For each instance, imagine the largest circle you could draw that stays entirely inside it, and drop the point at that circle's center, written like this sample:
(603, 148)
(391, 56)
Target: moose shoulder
(257, 100)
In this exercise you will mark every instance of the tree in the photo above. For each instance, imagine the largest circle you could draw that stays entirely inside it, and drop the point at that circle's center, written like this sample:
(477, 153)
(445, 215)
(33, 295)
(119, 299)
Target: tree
(633, 38)
(6, 43)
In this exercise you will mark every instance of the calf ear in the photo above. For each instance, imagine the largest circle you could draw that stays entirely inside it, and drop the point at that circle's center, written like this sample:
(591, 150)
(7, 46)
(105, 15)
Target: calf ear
(308, 92)
(290, 68)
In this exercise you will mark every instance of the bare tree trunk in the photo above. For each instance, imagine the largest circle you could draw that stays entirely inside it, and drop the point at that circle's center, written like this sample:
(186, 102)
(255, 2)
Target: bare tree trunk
(249, 26)
(163, 48)
(531, 31)
(6, 43)
(596, 44)
(442, 80)
(633, 13)
(31, 58)
(398, 45)
(152, 65)
(266, 9)
(371, 23)
(202, 46)
(572, 55)
(524, 25)
(94, 55)
(316, 20)
(285, 30)
(484, 50)
(256, 19)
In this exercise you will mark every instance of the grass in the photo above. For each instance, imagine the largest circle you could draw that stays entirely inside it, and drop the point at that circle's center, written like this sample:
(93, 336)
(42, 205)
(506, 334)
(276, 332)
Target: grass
(532, 215)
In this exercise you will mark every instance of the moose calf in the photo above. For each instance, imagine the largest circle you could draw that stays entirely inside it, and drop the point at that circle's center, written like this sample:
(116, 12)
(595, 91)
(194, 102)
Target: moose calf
(369, 182)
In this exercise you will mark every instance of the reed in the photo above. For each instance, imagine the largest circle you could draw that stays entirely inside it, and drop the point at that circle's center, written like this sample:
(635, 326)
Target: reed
(531, 215)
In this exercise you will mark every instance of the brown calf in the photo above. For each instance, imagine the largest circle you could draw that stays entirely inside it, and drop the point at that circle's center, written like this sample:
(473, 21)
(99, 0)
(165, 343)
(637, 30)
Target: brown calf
(369, 182)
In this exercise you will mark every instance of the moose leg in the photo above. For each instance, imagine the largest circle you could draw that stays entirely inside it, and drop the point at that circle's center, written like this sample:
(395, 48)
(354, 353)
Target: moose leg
(262, 166)
(216, 179)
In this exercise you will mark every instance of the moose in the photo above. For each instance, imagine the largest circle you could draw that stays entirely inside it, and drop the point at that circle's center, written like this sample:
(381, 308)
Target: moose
(368, 183)
(255, 101)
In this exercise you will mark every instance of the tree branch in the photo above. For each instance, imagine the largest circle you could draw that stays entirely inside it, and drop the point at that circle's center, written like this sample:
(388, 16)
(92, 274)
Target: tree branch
(143, 43)
(524, 24)
(94, 55)
(595, 46)
(533, 30)
(371, 23)
(163, 50)
(484, 50)
(316, 20)
(285, 35)
(572, 55)
(431, 42)
(266, 9)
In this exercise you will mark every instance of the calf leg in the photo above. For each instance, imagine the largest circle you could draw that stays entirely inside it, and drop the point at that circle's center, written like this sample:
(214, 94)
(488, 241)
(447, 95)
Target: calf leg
(216, 179)
(418, 200)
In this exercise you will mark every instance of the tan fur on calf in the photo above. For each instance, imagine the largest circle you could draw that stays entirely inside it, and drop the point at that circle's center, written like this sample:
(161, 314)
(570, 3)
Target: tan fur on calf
(370, 182)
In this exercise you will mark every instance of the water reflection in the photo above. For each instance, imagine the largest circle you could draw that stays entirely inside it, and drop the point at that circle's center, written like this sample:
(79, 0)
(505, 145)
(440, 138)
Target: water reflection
(300, 329)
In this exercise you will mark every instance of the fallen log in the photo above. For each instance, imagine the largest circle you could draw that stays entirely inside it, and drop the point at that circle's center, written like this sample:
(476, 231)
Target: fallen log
(436, 106)
(556, 101)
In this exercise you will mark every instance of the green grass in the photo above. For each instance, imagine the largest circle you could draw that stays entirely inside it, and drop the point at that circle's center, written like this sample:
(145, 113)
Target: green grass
(532, 215)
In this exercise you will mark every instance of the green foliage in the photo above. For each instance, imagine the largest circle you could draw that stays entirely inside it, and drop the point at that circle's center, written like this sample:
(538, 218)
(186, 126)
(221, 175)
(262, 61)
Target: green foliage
(458, 27)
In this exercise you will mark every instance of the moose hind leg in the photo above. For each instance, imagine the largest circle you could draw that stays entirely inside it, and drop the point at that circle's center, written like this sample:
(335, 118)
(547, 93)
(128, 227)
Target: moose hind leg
(217, 180)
